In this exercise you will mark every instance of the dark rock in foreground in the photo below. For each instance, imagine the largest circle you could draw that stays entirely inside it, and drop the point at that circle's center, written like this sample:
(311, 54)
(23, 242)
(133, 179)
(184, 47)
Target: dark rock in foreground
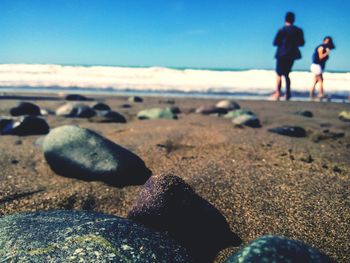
(167, 203)
(247, 120)
(305, 113)
(65, 236)
(26, 125)
(25, 108)
(81, 153)
(101, 106)
(292, 131)
(77, 97)
(278, 249)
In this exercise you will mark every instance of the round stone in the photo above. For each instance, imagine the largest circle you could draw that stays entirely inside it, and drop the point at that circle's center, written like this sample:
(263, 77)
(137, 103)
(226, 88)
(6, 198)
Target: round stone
(247, 120)
(25, 108)
(81, 153)
(228, 105)
(156, 113)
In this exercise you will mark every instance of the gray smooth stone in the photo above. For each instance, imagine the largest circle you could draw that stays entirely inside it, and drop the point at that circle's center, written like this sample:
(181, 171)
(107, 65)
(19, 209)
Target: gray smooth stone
(81, 153)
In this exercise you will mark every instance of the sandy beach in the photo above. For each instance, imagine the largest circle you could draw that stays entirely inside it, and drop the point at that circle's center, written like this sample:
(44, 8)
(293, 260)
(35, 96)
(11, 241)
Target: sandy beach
(263, 183)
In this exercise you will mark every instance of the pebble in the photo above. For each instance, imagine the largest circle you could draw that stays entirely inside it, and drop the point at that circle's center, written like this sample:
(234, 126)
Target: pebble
(81, 153)
(135, 99)
(305, 113)
(75, 111)
(23, 126)
(228, 105)
(77, 97)
(235, 113)
(291, 131)
(101, 106)
(167, 203)
(207, 110)
(156, 113)
(108, 116)
(25, 108)
(247, 120)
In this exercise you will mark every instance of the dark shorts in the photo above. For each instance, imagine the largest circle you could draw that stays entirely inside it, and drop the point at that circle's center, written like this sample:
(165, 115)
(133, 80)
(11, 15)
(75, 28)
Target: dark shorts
(284, 66)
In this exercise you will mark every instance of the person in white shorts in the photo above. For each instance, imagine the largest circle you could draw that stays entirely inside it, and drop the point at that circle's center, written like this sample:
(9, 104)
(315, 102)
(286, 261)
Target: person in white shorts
(319, 59)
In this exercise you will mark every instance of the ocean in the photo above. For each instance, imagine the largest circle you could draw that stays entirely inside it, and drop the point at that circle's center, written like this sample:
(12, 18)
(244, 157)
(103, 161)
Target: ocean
(161, 81)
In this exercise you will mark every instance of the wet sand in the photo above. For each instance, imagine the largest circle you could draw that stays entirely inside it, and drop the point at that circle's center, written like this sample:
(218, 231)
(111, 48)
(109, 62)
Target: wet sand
(263, 183)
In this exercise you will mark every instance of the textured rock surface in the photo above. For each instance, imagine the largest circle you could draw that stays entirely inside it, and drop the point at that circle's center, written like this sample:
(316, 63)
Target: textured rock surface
(156, 113)
(278, 249)
(76, 152)
(25, 108)
(64, 236)
(167, 203)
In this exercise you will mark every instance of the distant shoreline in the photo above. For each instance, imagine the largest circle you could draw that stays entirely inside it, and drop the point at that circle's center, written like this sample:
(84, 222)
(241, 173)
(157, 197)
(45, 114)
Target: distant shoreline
(160, 81)
(7, 93)
(172, 67)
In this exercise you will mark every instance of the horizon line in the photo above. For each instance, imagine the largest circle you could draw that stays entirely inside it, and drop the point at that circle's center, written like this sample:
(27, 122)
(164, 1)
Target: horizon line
(173, 67)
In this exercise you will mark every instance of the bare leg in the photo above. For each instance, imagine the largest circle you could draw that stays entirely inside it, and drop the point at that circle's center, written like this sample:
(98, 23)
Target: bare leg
(312, 91)
(288, 94)
(321, 93)
(277, 94)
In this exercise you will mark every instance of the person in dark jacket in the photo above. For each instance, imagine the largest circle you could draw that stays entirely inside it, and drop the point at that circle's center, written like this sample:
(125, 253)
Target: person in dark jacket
(288, 40)
(319, 59)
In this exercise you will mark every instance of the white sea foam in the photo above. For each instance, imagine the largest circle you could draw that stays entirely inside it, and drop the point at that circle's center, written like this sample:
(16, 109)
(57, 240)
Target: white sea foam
(160, 79)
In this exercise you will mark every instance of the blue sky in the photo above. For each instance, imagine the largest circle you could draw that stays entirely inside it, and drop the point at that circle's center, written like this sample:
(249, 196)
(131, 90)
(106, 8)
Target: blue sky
(191, 33)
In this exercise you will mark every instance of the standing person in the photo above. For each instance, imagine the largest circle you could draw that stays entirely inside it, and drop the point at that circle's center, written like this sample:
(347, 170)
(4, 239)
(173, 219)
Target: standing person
(288, 40)
(319, 59)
